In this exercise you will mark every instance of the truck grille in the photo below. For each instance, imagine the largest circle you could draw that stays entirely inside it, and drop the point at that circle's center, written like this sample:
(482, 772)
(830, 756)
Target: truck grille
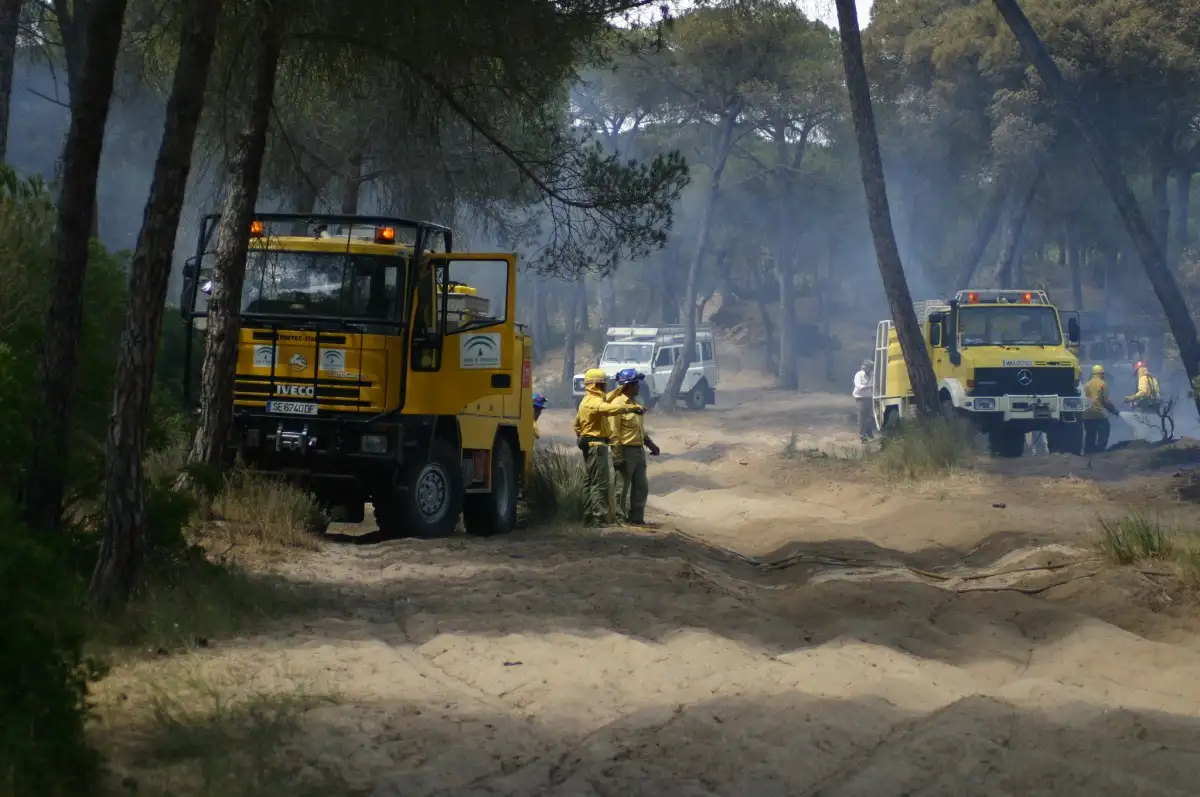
(335, 392)
(1006, 382)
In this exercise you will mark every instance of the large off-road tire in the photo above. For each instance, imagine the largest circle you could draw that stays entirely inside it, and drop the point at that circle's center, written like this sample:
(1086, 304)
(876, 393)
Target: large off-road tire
(492, 513)
(427, 497)
(697, 398)
(1006, 441)
(1065, 438)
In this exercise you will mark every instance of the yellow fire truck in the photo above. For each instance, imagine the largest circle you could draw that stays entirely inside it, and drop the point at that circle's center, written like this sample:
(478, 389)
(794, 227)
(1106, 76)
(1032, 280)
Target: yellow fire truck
(366, 373)
(1002, 361)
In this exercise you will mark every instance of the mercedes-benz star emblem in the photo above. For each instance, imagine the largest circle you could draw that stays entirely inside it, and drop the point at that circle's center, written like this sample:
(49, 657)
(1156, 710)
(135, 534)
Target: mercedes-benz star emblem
(1024, 377)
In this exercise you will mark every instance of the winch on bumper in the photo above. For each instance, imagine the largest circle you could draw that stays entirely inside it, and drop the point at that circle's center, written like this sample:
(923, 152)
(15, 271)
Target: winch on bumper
(1024, 408)
(320, 448)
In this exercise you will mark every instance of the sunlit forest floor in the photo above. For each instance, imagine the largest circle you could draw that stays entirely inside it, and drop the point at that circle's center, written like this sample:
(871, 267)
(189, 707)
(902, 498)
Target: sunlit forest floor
(797, 624)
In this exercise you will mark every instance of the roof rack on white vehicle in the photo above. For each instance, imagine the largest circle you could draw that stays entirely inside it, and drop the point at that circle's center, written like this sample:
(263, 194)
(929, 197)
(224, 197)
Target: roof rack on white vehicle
(668, 334)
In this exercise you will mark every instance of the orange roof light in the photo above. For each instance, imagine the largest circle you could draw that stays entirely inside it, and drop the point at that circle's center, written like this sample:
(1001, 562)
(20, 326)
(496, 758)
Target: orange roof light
(256, 229)
(385, 235)
(972, 298)
(1027, 298)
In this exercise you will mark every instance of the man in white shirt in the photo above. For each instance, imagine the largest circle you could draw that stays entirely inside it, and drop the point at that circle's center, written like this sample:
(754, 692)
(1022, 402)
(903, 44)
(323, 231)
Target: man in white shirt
(862, 397)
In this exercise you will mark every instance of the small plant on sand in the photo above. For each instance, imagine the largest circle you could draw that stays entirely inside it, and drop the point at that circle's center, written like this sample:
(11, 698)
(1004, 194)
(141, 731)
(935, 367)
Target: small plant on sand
(795, 449)
(924, 448)
(1138, 538)
(201, 741)
(556, 485)
(269, 513)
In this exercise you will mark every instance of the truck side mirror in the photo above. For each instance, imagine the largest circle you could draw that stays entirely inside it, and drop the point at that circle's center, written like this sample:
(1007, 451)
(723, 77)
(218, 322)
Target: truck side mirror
(1073, 330)
(935, 335)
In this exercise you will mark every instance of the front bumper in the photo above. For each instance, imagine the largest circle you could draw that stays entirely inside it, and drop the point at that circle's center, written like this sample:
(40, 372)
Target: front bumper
(318, 448)
(1025, 408)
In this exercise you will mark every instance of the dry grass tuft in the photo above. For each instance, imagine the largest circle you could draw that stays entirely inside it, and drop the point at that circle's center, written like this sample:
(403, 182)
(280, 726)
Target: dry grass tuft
(1139, 539)
(267, 515)
(925, 448)
(197, 739)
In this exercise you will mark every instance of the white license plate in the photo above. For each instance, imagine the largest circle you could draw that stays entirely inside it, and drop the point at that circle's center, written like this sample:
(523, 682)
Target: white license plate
(292, 407)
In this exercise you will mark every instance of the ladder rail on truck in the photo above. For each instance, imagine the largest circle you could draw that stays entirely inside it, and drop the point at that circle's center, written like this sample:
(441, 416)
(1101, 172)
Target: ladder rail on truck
(882, 399)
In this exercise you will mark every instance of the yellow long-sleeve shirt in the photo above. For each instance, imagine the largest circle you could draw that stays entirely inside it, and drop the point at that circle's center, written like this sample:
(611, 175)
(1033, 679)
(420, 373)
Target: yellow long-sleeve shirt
(1095, 390)
(1147, 386)
(626, 430)
(594, 411)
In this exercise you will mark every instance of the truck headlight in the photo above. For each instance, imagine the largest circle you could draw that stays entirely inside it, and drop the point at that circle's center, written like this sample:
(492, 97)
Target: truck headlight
(373, 444)
(985, 404)
(1072, 404)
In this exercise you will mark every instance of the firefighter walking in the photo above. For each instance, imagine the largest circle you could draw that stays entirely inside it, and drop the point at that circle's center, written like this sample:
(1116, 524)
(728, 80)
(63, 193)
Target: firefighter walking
(629, 445)
(593, 437)
(1096, 426)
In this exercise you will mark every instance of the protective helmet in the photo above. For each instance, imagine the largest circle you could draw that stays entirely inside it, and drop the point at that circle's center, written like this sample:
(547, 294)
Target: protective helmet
(867, 364)
(628, 376)
(1098, 370)
(539, 401)
(1137, 366)
(595, 376)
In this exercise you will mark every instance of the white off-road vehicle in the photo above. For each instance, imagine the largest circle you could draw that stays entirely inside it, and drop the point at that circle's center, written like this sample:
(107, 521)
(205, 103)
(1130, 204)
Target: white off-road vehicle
(653, 351)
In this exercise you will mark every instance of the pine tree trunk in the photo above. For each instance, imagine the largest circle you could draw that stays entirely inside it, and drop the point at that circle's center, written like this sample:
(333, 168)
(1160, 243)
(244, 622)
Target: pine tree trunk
(608, 302)
(1071, 253)
(76, 211)
(120, 559)
(670, 396)
(1183, 206)
(570, 330)
(1160, 226)
(541, 324)
(352, 184)
(895, 286)
(984, 230)
(10, 19)
(1153, 258)
(1014, 230)
(233, 236)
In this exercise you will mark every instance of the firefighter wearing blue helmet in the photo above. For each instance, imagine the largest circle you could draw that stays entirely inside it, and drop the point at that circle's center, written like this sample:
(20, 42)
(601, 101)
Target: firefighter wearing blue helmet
(539, 404)
(629, 446)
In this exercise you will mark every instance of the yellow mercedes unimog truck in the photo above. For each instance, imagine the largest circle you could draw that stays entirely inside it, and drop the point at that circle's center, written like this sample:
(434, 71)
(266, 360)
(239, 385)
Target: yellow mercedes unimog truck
(1002, 360)
(376, 365)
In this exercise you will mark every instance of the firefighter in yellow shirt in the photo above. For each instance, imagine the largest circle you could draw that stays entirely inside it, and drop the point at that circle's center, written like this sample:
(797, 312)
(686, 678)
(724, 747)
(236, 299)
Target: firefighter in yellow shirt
(629, 446)
(593, 436)
(1146, 399)
(1096, 427)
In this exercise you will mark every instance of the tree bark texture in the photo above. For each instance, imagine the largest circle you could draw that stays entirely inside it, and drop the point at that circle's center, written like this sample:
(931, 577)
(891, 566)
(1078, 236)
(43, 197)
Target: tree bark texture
(233, 237)
(118, 566)
(10, 20)
(1153, 258)
(76, 213)
(904, 316)
(670, 397)
(1014, 229)
(608, 302)
(985, 228)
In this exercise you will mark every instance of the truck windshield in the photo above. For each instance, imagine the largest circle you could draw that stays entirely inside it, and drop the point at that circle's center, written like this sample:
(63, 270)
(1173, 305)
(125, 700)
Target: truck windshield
(1009, 325)
(336, 284)
(627, 353)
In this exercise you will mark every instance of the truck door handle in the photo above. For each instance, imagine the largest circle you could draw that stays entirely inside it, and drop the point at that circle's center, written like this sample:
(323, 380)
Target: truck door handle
(501, 380)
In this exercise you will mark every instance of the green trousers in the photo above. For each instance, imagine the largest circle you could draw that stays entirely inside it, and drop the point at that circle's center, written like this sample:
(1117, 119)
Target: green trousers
(632, 488)
(597, 486)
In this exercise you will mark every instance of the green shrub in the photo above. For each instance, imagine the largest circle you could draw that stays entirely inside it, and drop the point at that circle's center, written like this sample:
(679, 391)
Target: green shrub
(924, 448)
(556, 485)
(44, 674)
(1135, 538)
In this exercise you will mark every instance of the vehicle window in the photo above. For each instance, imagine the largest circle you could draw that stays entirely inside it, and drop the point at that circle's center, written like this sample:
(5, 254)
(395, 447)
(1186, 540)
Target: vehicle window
(706, 351)
(477, 294)
(335, 284)
(665, 358)
(627, 353)
(1009, 325)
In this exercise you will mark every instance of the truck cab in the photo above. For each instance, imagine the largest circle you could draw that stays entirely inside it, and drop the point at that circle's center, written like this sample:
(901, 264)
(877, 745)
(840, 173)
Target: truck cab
(374, 364)
(654, 351)
(1002, 360)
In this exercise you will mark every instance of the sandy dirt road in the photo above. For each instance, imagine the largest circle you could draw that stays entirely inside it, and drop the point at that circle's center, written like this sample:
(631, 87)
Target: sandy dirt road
(793, 628)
